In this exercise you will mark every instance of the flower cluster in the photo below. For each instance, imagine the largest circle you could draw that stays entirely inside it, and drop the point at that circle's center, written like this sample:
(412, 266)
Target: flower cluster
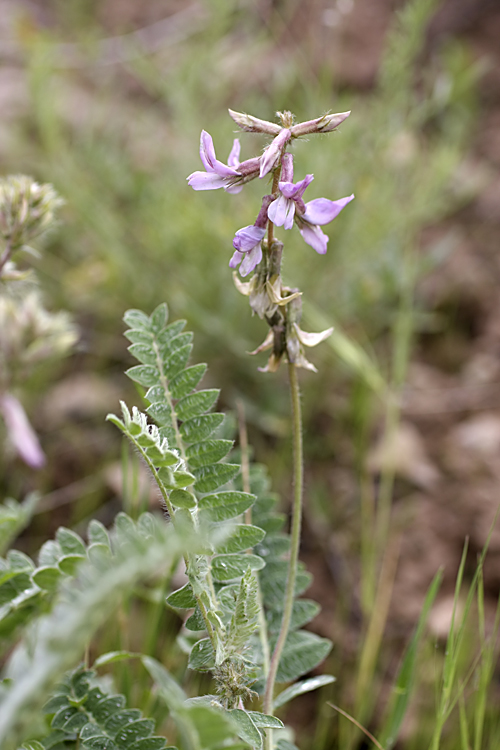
(286, 205)
(278, 304)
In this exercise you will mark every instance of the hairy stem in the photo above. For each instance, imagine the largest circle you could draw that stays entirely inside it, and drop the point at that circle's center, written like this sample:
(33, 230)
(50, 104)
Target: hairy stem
(295, 541)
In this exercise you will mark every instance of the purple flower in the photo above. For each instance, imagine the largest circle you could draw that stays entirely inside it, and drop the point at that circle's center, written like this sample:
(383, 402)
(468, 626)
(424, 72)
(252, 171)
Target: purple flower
(217, 174)
(282, 210)
(317, 213)
(20, 431)
(273, 151)
(248, 248)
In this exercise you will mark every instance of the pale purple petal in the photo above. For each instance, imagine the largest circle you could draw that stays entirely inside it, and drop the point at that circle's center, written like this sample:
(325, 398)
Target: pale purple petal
(322, 211)
(21, 432)
(234, 157)
(273, 151)
(206, 181)
(295, 190)
(207, 151)
(251, 260)
(281, 212)
(245, 239)
(209, 160)
(314, 237)
(236, 259)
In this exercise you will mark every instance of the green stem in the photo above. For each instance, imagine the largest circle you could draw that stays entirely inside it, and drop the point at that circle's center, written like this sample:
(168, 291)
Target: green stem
(295, 543)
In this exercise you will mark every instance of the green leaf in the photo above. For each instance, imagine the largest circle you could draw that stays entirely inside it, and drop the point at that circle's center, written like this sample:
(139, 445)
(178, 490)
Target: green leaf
(62, 716)
(151, 743)
(196, 621)
(32, 745)
(304, 686)
(171, 692)
(182, 598)
(243, 536)
(47, 577)
(200, 428)
(178, 360)
(303, 652)
(19, 561)
(50, 553)
(97, 533)
(137, 336)
(113, 656)
(107, 706)
(182, 499)
(207, 452)
(208, 478)
(75, 723)
(121, 719)
(144, 353)
(187, 380)
(304, 610)
(14, 517)
(69, 564)
(273, 583)
(228, 567)
(212, 725)
(160, 411)
(143, 374)
(137, 730)
(174, 344)
(159, 318)
(99, 743)
(137, 319)
(246, 728)
(55, 704)
(183, 479)
(170, 332)
(202, 657)
(275, 545)
(226, 505)
(196, 403)
(264, 721)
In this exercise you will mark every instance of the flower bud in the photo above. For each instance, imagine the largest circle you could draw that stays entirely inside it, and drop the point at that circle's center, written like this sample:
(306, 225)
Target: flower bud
(251, 124)
(324, 124)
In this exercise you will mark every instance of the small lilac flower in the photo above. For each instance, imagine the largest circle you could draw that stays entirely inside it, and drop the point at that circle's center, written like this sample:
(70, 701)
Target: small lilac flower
(21, 432)
(247, 242)
(273, 151)
(282, 210)
(217, 174)
(317, 213)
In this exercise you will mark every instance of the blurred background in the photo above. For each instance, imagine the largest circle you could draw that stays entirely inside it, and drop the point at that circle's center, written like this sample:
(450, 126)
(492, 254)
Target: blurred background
(106, 101)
